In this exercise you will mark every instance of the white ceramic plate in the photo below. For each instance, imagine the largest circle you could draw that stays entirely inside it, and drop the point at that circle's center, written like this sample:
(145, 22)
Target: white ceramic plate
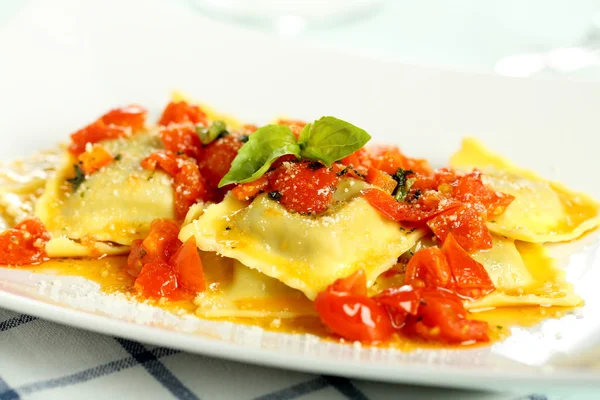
(62, 65)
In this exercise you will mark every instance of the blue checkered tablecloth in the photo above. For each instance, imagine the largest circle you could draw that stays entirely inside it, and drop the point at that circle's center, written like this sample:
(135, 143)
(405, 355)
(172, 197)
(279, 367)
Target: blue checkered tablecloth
(44, 360)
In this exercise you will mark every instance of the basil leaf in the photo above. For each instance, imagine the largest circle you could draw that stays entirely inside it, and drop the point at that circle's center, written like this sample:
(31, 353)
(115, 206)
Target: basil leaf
(260, 151)
(330, 139)
(210, 134)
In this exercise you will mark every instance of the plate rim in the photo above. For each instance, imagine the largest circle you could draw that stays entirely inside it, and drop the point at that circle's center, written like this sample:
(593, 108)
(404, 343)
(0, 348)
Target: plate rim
(405, 373)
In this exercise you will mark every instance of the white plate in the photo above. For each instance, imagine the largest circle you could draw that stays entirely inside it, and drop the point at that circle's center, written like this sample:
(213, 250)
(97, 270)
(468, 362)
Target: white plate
(62, 65)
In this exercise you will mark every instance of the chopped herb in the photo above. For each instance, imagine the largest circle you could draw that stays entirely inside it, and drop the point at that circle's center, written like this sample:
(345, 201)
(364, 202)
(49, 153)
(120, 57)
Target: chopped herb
(412, 230)
(402, 229)
(244, 138)
(416, 194)
(118, 157)
(180, 153)
(412, 253)
(499, 327)
(227, 228)
(151, 176)
(275, 195)
(82, 195)
(343, 172)
(216, 130)
(315, 165)
(78, 179)
(422, 301)
(402, 187)
(493, 221)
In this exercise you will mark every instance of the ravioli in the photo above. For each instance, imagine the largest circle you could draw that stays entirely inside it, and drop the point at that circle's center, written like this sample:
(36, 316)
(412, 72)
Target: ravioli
(305, 252)
(236, 291)
(542, 211)
(115, 205)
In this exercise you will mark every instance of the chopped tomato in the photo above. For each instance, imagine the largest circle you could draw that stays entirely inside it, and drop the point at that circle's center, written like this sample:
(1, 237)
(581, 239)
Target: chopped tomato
(402, 211)
(359, 158)
(114, 124)
(387, 158)
(304, 187)
(428, 268)
(470, 188)
(93, 133)
(188, 266)
(399, 303)
(133, 116)
(165, 160)
(470, 277)
(161, 242)
(347, 311)
(135, 260)
(442, 317)
(467, 225)
(216, 158)
(354, 284)
(181, 112)
(156, 279)
(181, 140)
(419, 166)
(91, 161)
(24, 244)
(382, 180)
(247, 191)
(189, 187)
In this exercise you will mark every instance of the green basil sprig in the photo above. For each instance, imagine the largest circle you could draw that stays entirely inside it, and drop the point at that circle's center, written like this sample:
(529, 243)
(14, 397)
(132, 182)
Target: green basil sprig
(255, 157)
(326, 140)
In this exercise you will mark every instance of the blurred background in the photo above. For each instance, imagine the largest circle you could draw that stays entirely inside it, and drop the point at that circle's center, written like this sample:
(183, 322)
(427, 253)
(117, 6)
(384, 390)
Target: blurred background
(556, 39)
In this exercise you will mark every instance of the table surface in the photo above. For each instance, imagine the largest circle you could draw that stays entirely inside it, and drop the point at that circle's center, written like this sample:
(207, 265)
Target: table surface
(41, 360)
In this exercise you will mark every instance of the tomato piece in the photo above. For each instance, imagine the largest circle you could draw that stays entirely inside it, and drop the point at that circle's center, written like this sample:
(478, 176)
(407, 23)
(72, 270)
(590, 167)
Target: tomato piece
(354, 317)
(135, 259)
(381, 179)
(181, 140)
(467, 225)
(442, 317)
(470, 188)
(358, 159)
(181, 112)
(189, 187)
(399, 303)
(133, 116)
(94, 159)
(188, 267)
(247, 191)
(419, 166)
(165, 160)
(428, 268)
(156, 279)
(355, 284)
(304, 187)
(387, 158)
(24, 243)
(345, 309)
(402, 211)
(116, 123)
(470, 277)
(216, 158)
(161, 242)
(93, 133)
